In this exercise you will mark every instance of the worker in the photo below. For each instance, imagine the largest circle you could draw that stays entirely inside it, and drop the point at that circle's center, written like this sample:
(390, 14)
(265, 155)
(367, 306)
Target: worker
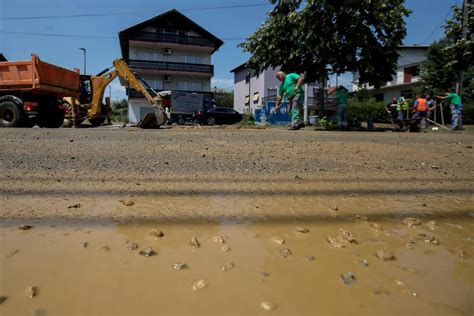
(392, 110)
(402, 110)
(455, 105)
(341, 106)
(291, 90)
(431, 106)
(420, 111)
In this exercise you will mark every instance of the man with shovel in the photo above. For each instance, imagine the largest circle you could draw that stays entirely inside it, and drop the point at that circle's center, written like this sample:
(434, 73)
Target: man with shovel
(291, 90)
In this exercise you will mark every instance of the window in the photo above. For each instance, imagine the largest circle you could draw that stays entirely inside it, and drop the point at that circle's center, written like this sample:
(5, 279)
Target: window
(154, 83)
(411, 72)
(256, 97)
(247, 100)
(190, 59)
(190, 85)
(148, 55)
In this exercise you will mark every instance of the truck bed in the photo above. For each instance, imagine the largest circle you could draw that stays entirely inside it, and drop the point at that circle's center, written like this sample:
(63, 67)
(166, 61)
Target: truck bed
(36, 76)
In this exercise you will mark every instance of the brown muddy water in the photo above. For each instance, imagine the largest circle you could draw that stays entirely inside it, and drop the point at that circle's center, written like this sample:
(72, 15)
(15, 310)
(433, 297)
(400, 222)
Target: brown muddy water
(240, 268)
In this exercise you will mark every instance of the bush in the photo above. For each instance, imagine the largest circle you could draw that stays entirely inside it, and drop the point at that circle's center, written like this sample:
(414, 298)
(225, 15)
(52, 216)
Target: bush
(247, 119)
(327, 123)
(468, 113)
(362, 110)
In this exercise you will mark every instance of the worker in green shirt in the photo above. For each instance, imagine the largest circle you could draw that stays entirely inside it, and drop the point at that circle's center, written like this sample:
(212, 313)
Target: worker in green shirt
(291, 90)
(341, 107)
(455, 105)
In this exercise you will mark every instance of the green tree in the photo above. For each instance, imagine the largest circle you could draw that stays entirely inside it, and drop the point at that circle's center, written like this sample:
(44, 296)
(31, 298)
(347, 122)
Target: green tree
(436, 71)
(224, 97)
(344, 35)
(460, 46)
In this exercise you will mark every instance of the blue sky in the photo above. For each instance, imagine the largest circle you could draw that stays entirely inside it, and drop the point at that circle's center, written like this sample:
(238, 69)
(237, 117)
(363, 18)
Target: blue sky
(98, 34)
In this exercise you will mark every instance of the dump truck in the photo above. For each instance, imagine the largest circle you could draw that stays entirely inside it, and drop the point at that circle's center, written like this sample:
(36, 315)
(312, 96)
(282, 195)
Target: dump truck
(32, 92)
(88, 105)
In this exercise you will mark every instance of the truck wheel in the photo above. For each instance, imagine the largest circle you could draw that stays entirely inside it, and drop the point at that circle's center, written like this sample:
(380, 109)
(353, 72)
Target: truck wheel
(180, 120)
(211, 121)
(10, 114)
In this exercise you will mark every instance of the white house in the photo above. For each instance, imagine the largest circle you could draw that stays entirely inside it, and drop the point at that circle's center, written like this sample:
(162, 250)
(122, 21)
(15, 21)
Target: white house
(253, 91)
(171, 52)
(407, 74)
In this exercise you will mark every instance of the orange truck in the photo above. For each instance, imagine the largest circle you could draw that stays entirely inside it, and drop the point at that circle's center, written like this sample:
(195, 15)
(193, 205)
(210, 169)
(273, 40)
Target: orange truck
(32, 92)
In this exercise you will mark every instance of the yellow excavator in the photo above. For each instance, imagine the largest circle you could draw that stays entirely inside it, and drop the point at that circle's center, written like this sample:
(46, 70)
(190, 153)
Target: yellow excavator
(89, 105)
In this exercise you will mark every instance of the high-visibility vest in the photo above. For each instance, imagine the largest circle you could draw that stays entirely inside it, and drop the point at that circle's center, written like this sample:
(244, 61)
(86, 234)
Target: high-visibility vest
(402, 104)
(422, 105)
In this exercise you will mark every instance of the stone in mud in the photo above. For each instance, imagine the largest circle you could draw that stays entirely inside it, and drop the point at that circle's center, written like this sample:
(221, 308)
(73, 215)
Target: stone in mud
(461, 254)
(2, 299)
(362, 218)
(411, 221)
(155, 233)
(105, 249)
(132, 246)
(348, 278)
(12, 252)
(385, 255)
(200, 284)
(381, 292)
(194, 243)
(364, 262)
(31, 291)
(278, 240)
(264, 274)
(302, 230)
(84, 244)
(347, 235)
(225, 248)
(311, 258)
(431, 225)
(25, 227)
(127, 202)
(77, 205)
(285, 252)
(334, 208)
(376, 226)
(219, 239)
(147, 252)
(180, 266)
(267, 306)
(432, 240)
(336, 242)
(227, 266)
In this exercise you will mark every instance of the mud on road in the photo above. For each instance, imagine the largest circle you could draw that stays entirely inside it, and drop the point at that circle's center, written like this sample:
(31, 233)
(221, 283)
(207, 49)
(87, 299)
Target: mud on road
(299, 222)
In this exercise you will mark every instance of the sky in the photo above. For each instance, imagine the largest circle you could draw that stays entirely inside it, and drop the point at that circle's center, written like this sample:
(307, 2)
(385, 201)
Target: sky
(40, 27)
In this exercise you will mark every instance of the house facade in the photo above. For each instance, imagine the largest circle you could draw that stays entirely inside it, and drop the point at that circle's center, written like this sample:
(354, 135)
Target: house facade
(407, 76)
(253, 91)
(170, 52)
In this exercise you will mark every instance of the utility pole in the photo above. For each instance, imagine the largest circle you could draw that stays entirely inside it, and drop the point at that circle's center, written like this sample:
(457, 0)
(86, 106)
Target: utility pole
(459, 85)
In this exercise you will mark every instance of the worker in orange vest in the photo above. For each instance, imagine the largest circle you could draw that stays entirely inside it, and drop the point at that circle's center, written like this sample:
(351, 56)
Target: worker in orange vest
(420, 110)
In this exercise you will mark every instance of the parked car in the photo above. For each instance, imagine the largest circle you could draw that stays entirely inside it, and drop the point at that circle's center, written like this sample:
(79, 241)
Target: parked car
(218, 115)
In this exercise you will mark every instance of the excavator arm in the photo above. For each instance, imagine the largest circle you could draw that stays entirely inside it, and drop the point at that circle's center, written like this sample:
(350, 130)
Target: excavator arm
(100, 82)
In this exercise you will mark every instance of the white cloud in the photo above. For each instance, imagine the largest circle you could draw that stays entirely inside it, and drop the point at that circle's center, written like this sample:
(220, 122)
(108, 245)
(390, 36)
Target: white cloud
(222, 83)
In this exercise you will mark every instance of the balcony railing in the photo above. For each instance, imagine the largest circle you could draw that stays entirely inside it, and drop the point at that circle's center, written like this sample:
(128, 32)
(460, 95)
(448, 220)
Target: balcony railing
(134, 94)
(171, 66)
(169, 38)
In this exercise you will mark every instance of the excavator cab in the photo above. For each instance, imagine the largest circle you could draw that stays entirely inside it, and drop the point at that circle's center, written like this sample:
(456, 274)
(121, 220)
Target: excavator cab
(86, 89)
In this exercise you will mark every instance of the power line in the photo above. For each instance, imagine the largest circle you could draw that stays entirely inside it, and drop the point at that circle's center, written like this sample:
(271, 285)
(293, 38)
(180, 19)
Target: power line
(129, 13)
(101, 37)
(441, 24)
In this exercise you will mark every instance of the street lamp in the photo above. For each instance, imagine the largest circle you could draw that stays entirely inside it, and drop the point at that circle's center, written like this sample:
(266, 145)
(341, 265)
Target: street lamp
(84, 50)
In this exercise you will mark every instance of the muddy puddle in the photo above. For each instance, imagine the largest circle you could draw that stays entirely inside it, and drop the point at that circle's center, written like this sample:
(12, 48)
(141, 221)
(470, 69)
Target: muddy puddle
(326, 266)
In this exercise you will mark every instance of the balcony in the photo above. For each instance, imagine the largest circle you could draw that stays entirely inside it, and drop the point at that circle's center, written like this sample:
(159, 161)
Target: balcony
(134, 94)
(171, 66)
(175, 39)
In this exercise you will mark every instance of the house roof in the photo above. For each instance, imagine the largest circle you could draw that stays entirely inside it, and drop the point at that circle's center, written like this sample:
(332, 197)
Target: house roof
(2, 57)
(238, 67)
(172, 17)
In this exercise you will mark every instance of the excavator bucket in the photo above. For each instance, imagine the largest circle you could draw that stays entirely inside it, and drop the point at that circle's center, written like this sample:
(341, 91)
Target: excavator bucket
(154, 120)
